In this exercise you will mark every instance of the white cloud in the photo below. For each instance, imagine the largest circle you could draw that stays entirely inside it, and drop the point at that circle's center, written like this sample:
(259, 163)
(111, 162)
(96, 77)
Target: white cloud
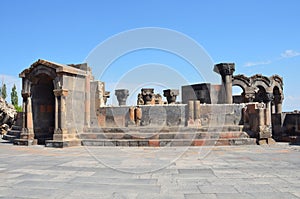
(285, 55)
(248, 64)
(289, 54)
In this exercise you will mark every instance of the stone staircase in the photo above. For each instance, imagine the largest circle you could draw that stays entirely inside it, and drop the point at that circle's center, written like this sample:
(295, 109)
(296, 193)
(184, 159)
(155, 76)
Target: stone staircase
(166, 136)
(15, 131)
(13, 134)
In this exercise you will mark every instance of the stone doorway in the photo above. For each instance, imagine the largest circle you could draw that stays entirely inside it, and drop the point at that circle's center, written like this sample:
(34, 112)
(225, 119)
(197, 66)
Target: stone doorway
(43, 103)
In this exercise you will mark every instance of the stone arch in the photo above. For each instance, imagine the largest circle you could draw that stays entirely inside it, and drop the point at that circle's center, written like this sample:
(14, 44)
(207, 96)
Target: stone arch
(242, 81)
(245, 83)
(258, 81)
(40, 69)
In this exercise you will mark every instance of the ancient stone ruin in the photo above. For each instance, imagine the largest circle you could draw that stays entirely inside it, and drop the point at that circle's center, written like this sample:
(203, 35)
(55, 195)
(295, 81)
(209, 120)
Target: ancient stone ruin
(8, 115)
(64, 106)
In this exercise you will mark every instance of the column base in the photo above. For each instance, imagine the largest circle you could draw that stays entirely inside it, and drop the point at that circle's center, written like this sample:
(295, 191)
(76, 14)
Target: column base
(62, 143)
(25, 142)
(265, 141)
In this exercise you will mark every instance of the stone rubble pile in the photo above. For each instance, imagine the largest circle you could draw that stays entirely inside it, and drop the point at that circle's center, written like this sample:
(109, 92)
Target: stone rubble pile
(7, 116)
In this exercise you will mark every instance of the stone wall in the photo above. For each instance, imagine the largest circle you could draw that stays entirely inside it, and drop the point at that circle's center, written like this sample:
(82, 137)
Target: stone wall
(221, 114)
(216, 115)
(286, 125)
(75, 106)
(157, 115)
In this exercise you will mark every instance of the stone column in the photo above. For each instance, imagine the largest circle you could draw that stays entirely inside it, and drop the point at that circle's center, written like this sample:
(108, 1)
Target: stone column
(278, 103)
(269, 99)
(226, 71)
(60, 114)
(190, 113)
(171, 95)
(147, 95)
(138, 115)
(27, 129)
(131, 114)
(122, 95)
(56, 113)
(197, 112)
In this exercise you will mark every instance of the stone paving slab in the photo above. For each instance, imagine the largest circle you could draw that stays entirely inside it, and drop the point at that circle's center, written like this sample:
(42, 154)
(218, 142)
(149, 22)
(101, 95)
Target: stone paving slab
(142, 172)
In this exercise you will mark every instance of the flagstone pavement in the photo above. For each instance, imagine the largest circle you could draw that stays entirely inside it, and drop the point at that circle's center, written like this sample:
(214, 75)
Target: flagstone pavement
(143, 172)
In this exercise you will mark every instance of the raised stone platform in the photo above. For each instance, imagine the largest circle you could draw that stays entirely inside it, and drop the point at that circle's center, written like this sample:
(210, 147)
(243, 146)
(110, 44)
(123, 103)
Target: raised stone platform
(173, 136)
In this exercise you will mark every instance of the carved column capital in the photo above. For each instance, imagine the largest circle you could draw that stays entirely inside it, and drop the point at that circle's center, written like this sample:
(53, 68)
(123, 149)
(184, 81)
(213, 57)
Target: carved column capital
(122, 95)
(224, 69)
(171, 95)
(60, 92)
(250, 97)
(147, 95)
(106, 96)
(269, 97)
(25, 94)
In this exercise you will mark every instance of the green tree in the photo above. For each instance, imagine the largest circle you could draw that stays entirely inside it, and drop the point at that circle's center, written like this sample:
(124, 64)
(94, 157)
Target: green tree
(4, 95)
(14, 96)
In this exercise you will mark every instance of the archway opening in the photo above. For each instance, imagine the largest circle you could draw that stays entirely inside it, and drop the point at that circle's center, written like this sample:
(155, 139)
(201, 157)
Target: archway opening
(261, 94)
(238, 94)
(43, 103)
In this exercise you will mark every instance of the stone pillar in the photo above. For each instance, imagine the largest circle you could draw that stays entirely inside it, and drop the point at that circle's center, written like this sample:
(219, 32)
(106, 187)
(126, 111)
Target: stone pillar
(171, 95)
(278, 103)
(269, 99)
(56, 113)
(122, 95)
(147, 95)
(27, 134)
(261, 117)
(226, 71)
(190, 113)
(131, 114)
(138, 115)
(278, 108)
(197, 112)
(60, 113)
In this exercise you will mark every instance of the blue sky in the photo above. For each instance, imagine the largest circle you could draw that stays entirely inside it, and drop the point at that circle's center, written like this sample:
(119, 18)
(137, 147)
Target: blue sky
(258, 36)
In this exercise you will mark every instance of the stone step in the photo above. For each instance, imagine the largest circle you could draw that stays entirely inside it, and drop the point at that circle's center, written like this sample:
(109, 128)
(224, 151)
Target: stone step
(16, 127)
(9, 138)
(169, 142)
(14, 133)
(165, 135)
(11, 135)
(151, 129)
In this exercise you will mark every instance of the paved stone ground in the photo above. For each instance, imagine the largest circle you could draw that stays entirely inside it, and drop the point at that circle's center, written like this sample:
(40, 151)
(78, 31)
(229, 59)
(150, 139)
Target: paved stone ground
(167, 172)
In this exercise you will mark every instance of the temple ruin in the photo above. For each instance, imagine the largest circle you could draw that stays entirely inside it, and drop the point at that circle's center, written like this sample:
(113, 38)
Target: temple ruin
(65, 106)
